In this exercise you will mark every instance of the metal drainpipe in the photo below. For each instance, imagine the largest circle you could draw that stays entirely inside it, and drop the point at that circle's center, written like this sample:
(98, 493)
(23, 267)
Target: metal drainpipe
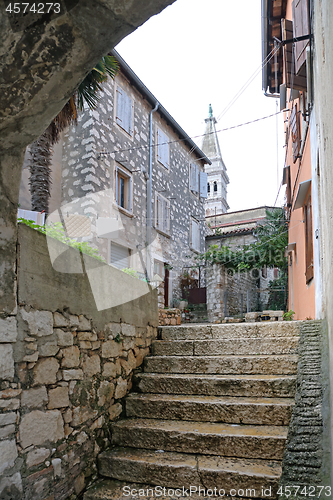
(149, 194)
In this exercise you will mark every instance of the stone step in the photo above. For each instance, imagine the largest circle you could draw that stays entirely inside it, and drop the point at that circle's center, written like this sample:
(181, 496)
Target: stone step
(217, 385)
(241, 330)
(178, 470)
(112, 489)
(243, 346)
(233, 410)
(270, 364)
(205, 438)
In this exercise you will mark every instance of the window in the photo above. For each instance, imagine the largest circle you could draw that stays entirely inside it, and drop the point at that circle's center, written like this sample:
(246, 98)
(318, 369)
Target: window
(208, 188)
(195, 235)
(215, 187)
(308, 240)
(159, 269)
(162, 148)
(120, 256)
(124, 114)
(162, 213)
(123, 193)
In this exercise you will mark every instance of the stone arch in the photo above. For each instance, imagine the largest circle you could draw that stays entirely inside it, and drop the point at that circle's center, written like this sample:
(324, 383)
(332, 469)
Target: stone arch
(34, 93)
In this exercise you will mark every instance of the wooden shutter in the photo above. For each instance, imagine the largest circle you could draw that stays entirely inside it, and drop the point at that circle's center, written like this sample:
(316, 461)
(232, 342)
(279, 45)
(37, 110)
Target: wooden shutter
(195, 235)
(194, 179)
(308, 240)
(166, 216)
(295, 132)
(203, 184)
(162, 214)
(127, 116)
(159, 212)
(294, 81)
(300, 28)
(124, 110)
(120, 106)
(162, 148)
(128, 192)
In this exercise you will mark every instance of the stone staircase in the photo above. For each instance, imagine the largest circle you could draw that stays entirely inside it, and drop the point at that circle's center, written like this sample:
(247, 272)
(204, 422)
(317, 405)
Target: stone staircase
(211, 410)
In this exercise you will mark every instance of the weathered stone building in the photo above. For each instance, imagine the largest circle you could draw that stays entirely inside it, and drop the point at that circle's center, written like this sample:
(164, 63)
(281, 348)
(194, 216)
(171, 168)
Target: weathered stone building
(216, 202)
(134, 182)
(235, 293)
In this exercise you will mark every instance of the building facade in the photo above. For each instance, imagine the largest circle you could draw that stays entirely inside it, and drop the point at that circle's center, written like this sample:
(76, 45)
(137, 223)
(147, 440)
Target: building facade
(287, 75)
(235, 293)
(133, 185)
(216, 202)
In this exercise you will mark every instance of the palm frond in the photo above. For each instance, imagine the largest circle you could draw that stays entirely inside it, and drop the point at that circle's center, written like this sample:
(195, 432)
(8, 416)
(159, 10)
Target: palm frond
(90, 87)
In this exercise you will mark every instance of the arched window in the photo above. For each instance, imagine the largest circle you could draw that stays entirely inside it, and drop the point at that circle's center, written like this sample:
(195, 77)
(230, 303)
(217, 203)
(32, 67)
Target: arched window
(215, 187)
(208, 187)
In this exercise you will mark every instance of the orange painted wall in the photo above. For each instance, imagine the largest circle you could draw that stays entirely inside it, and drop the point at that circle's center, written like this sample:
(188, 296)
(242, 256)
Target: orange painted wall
(301, 295)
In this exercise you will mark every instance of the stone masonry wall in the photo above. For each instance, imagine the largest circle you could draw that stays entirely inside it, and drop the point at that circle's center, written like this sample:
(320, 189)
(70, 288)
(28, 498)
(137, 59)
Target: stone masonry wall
(96, 146)
(64, 369)
(304, 460)
(222, 285)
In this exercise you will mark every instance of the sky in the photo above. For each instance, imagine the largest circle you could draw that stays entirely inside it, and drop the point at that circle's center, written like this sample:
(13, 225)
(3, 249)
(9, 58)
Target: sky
(198, 52)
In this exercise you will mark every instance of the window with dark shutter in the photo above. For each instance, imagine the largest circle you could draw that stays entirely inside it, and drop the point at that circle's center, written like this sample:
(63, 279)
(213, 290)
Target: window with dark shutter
(308, 240)
(123, 191)
(292, 80)
(295, 132)
(300, 28)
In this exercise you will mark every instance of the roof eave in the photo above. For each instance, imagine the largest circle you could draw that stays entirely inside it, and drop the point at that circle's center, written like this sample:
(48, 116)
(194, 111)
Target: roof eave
(163, 112)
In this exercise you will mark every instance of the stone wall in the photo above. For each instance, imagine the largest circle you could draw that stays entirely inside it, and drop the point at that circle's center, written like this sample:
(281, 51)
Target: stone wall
(64, 369)
(168, 317)
(307, 459)
(227, 291)
(94, 149)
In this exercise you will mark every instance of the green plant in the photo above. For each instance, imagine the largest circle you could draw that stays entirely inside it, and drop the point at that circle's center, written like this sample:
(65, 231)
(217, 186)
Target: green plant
(268, 250)
(288, 316)
(57, 232)
(117, 338)
(131, 272)
(41, 149)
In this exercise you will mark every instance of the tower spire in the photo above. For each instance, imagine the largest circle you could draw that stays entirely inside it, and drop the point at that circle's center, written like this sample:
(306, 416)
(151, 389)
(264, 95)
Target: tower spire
(217, 173)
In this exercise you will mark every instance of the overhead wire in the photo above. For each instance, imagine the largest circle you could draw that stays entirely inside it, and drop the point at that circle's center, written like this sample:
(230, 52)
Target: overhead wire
(194, 137)
(249, 81)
